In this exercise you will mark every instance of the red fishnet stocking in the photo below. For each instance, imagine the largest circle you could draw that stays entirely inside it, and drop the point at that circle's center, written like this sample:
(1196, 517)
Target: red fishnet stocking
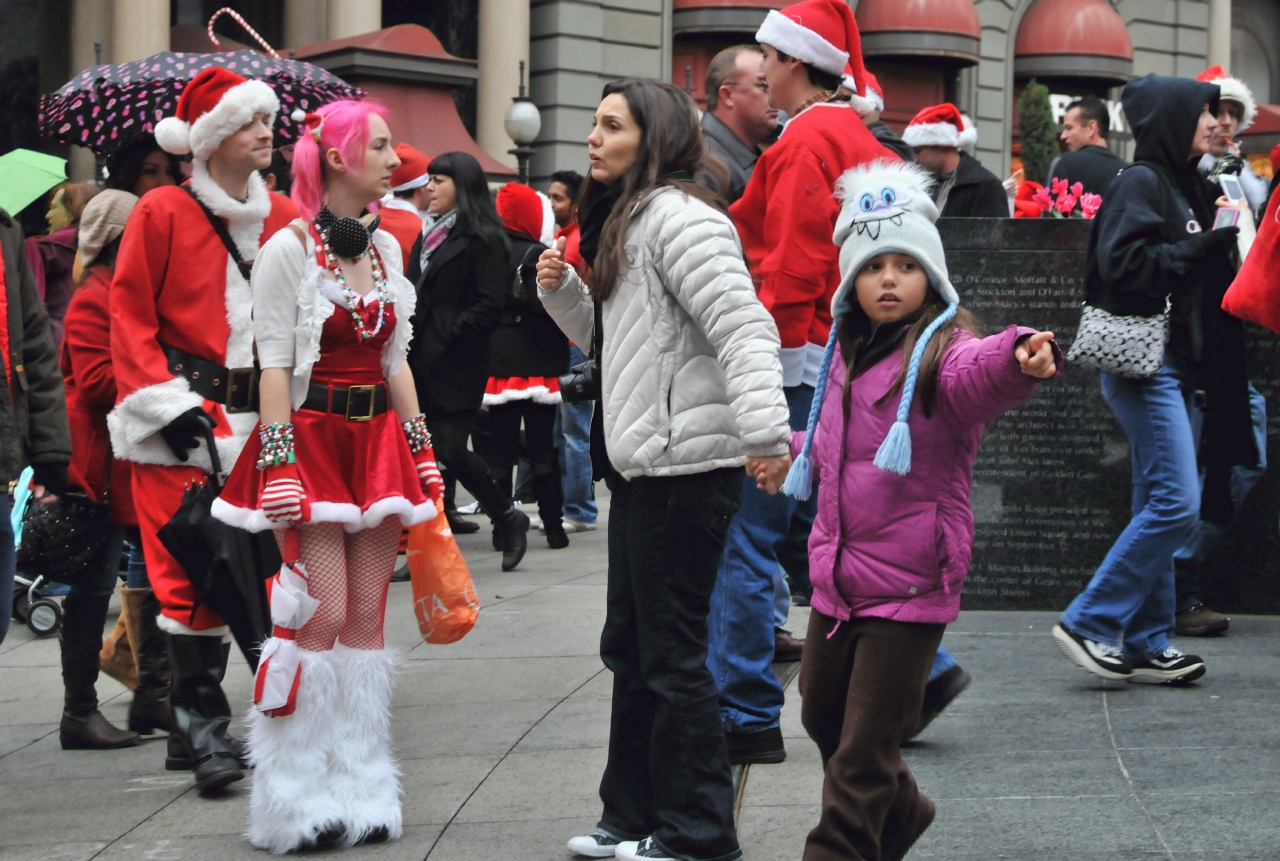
(349, 574)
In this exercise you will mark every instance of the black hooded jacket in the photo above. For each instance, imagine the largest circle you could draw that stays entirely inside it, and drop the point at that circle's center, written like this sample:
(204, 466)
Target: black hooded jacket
(1153, 239)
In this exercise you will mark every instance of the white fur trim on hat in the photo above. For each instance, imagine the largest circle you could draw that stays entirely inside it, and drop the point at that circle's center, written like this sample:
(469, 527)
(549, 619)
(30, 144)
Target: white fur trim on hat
(1236, 90)
(885, 206)
(932, 134)
(800, 42)
(413, 183)
(237, 107)
(173, 135)
(969, 137)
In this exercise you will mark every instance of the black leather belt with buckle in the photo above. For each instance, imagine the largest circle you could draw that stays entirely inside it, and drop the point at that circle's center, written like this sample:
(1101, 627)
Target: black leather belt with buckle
(235, 388)
(356, 403)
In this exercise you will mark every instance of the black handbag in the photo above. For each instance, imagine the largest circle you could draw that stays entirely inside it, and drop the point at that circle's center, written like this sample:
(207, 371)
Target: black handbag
(66, 540)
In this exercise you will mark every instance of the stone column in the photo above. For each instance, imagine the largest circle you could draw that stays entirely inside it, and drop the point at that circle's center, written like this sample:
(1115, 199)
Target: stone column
(1220, 33)
(305, 22)
(90, 22)
(353, 17)
(139, 28)
(503, 43)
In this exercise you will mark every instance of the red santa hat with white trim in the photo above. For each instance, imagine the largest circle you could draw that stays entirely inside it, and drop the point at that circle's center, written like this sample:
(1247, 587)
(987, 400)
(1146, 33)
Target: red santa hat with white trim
(215, 105)
(939, 125)
(1234, 90)
(824, 34)
(412, 172)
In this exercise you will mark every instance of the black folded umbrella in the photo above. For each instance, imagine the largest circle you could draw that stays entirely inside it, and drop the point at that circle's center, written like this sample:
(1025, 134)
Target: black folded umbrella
(228, 567)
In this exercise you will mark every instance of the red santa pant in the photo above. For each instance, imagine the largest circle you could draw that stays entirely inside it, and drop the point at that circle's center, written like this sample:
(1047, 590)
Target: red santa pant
(157, 493)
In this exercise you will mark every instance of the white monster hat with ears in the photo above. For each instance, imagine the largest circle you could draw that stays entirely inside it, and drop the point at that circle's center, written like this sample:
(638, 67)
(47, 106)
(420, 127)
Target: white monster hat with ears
(885, 207)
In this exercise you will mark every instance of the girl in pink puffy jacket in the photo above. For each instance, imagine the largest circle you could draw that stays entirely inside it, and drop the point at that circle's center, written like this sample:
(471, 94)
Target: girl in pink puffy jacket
(904, 391)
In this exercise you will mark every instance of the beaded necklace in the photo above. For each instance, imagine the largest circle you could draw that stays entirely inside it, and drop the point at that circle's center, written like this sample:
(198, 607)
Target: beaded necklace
(351, 296)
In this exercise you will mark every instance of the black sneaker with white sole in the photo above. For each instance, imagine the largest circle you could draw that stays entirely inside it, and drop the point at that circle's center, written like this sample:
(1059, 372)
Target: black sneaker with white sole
(597, 845)
(1101, 659)
(643, 850)
(1170, 667)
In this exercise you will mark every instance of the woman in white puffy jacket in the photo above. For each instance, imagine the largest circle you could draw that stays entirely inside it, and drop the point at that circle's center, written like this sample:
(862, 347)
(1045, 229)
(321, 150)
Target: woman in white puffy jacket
(691, 391)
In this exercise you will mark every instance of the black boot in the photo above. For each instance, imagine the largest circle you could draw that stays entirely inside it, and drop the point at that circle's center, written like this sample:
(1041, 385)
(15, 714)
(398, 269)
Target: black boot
(149, 710)
(457, 523)
(83, 727)
(513, 528)
(201, 712)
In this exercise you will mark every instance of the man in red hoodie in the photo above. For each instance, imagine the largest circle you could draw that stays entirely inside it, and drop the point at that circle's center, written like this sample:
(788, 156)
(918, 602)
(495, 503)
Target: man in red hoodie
(786, 217)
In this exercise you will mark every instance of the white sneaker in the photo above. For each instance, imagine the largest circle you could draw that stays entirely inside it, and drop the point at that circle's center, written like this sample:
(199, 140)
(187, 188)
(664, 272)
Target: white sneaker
(473, 508)
(642, 850)
(578, 526)
(597, 845)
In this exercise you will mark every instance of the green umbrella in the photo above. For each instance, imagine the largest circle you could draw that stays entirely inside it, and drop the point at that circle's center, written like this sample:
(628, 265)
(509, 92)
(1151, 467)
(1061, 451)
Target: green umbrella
(25, 175)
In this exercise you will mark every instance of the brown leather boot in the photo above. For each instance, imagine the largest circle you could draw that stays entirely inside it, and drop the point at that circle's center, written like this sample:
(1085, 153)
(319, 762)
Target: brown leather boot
(83, 727)
(116, 658)
(1200, 621)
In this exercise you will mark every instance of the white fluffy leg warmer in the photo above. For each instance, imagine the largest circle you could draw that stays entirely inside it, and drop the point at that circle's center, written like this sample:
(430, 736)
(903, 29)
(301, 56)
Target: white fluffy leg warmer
(292, 799)
(364, 778)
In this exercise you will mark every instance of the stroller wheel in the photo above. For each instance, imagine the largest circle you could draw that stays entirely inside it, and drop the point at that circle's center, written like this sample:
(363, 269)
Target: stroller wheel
(20, 602)
(44, 617)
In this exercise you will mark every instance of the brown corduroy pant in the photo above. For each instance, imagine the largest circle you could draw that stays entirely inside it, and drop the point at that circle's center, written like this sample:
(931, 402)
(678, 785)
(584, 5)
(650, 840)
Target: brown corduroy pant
(862, 690)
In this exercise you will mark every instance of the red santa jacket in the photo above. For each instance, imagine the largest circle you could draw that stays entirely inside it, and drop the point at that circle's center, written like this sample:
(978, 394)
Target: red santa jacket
(176, 284)
(404, 225)
(85, 360)
(786, 217)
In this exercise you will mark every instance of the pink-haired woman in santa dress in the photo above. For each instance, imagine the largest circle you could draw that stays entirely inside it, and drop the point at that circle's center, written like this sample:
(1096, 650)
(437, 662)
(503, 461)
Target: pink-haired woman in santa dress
(342, 453)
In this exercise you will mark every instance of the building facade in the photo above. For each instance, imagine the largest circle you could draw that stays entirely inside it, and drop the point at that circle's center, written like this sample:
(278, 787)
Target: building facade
(977, 53)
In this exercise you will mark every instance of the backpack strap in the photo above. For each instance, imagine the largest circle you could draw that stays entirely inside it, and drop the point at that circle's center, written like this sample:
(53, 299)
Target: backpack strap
(221, 229)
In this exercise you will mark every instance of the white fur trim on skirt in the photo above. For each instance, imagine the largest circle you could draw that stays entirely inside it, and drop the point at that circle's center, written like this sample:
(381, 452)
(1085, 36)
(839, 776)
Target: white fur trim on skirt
(346, 513)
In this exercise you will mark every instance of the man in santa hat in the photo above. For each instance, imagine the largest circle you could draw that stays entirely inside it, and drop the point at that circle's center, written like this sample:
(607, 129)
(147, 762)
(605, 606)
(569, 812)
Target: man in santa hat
(1237, 109)
(404, 215)
(965, 189)
(785, 218)
(182, 349)
(1236, 112)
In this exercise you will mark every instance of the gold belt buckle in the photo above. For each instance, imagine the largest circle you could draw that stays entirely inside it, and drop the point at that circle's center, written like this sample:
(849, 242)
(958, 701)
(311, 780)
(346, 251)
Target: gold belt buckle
(242, 390)
(355, 414)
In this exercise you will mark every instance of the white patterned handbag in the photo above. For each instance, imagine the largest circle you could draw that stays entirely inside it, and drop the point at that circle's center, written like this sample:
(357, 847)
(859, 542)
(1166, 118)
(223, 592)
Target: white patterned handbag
(1131, 347)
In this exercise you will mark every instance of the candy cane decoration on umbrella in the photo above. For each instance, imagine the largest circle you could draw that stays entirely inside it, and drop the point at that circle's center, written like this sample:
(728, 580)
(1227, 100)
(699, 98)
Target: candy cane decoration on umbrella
(275, 689)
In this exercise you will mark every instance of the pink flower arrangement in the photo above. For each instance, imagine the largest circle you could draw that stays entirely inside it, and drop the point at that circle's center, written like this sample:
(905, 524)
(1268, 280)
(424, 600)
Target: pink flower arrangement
(1062, 201)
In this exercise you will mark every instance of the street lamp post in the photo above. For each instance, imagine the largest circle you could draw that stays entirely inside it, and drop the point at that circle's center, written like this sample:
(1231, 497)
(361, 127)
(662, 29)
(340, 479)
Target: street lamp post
(522, 122)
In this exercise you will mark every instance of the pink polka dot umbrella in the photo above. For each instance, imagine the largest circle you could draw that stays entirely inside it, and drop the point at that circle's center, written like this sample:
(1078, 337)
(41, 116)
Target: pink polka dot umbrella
(107, 107)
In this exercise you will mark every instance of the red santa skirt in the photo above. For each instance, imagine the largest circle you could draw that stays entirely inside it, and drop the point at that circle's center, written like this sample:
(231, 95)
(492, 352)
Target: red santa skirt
(353, 473)
(504, 390)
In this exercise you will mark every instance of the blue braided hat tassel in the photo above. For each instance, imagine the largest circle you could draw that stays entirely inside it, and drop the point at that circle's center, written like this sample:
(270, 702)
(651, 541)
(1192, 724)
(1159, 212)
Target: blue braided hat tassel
(894, 454)
(799, 483)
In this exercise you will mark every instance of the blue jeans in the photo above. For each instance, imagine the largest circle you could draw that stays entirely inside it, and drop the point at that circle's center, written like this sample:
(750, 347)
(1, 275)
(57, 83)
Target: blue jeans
(743, 614)
(137, 578)
(1205, 535)
(8, 564)
(1131, 598)
(575, 424)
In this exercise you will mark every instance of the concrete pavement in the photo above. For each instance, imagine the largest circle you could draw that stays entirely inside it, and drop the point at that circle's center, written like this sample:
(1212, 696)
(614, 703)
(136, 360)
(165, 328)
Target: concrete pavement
(502, 736)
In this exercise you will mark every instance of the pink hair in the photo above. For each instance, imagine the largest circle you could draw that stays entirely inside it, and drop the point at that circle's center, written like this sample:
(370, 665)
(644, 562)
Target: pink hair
(346, 129)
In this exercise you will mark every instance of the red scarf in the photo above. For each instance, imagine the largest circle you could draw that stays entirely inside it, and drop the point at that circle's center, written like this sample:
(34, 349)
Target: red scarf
(4, 325)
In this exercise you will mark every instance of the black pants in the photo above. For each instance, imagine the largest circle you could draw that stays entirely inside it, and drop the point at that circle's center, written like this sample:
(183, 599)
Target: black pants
(539, 432)
(668, 771)
(449, 440)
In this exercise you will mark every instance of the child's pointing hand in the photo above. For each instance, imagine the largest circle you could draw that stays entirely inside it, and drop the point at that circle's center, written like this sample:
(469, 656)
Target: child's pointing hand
(1035, 354)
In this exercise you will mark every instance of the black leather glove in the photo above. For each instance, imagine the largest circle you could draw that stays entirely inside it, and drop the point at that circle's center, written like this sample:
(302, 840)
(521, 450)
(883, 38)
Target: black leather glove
(185, 432)
(1209, 240)
(51, 476)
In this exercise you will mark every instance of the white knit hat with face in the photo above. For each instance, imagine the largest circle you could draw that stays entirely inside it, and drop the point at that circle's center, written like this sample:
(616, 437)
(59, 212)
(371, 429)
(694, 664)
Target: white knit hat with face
(885, 207)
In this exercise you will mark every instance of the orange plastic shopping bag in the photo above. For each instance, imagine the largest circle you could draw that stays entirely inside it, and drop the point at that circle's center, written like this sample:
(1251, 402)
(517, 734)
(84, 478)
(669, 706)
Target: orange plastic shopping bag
(444, 600)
